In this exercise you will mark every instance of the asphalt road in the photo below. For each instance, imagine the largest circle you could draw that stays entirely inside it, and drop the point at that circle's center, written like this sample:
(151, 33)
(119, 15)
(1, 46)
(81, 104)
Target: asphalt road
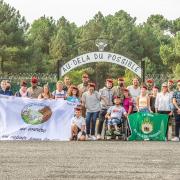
(89, 160)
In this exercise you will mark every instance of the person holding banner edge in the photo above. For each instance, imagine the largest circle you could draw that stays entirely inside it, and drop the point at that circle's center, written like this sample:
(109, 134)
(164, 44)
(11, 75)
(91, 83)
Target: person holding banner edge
(176, 103)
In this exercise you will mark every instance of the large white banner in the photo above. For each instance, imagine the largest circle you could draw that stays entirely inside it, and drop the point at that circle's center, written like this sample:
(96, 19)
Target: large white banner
(33, 119)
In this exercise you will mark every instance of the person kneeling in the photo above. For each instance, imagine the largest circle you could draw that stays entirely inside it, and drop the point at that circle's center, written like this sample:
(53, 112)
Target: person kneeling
(114, 116)
(78, 126)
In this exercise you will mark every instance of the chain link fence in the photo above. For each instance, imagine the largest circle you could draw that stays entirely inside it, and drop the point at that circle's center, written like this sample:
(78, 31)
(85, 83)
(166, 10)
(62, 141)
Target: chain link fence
(51, 79)
(16, 78)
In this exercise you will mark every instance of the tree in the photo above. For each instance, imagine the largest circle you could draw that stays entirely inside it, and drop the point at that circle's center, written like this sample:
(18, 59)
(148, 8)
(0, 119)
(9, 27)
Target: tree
(39, 36)
(12, 35)
(61, 42)
(170, 53)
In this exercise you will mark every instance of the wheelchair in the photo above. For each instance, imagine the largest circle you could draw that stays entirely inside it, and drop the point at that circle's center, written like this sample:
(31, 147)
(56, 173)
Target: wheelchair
(123, 131)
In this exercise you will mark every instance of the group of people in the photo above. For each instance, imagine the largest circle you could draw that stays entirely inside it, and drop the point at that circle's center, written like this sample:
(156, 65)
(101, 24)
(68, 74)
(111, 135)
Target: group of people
(111, 103)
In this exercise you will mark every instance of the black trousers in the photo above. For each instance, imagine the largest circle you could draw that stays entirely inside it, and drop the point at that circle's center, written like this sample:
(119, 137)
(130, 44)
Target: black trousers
(177, 124)
(102, 114)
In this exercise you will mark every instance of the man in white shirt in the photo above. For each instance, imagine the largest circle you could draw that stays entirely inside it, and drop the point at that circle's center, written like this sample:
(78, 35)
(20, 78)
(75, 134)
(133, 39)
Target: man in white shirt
(135, 91)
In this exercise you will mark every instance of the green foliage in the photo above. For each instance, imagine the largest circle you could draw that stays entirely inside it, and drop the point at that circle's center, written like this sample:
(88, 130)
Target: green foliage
(12, 35)
(177, 72)
(39, 47)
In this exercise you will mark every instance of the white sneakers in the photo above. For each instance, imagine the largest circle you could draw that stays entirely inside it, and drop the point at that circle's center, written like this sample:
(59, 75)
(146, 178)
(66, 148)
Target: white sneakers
(175, 139)
(89, 137)
(98, 137)
(93, 138)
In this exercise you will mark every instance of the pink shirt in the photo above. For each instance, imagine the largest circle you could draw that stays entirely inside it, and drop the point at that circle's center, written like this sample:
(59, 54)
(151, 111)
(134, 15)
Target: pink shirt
(126, 103)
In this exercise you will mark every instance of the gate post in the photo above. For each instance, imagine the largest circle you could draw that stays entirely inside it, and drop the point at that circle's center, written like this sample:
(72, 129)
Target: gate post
(143, 70)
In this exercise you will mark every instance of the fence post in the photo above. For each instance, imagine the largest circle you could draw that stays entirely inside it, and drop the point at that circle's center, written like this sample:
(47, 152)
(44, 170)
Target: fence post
(143, 70)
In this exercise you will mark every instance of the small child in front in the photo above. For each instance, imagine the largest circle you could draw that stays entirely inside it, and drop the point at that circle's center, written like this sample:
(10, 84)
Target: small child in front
(78, 126)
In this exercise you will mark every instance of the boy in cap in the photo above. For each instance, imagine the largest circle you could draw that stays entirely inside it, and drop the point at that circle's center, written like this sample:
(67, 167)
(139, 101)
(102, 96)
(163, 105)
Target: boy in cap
(35, 90)
(78, 126)
(114, 116)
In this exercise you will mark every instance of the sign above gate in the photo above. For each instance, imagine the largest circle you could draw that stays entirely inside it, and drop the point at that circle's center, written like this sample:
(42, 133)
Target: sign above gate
(100, 57)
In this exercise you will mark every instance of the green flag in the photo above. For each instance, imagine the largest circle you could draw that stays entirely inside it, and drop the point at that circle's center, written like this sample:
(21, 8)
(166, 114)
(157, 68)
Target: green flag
(148, 126)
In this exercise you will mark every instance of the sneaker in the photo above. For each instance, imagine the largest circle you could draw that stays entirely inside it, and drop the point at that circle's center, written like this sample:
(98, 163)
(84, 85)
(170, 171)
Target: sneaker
(108, 133)
(98, 137)
(108, 137)
(88, 137)
(175, 139)
(117, 133)
(93, 138)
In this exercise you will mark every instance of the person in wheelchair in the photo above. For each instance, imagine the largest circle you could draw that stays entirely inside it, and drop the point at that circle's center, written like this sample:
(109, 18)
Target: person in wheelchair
(115, 117)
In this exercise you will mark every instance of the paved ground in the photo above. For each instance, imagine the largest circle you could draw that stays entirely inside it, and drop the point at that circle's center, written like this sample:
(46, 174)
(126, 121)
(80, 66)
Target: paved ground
(89, 160)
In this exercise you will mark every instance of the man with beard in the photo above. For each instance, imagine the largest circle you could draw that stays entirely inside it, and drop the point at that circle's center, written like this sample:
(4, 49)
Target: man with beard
(119, 89)
(135, 91)
(107, 93)
(67, 83)
(83, 87)
(171, 86)
(35, 90)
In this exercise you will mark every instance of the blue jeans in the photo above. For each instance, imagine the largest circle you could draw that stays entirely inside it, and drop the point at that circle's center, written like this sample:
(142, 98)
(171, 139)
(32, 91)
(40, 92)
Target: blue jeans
(114, 121)
(145, 109)
(91, 116)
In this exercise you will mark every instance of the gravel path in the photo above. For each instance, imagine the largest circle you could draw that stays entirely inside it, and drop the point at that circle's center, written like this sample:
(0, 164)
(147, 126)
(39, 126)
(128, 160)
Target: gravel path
(89, 160)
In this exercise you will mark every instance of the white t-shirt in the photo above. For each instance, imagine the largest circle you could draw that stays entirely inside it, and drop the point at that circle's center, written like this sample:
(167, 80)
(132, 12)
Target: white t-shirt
(59, 95)
(79, 122)
(163, 102)
(134, 93)
(116, 111)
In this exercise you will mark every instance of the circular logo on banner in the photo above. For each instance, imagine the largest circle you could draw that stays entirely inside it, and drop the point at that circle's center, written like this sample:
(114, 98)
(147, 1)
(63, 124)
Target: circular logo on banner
(147, 127)
(35, 113)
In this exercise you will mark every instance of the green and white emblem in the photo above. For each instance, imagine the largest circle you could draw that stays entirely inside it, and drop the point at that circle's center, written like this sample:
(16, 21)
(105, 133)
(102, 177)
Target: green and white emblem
(147, 126)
